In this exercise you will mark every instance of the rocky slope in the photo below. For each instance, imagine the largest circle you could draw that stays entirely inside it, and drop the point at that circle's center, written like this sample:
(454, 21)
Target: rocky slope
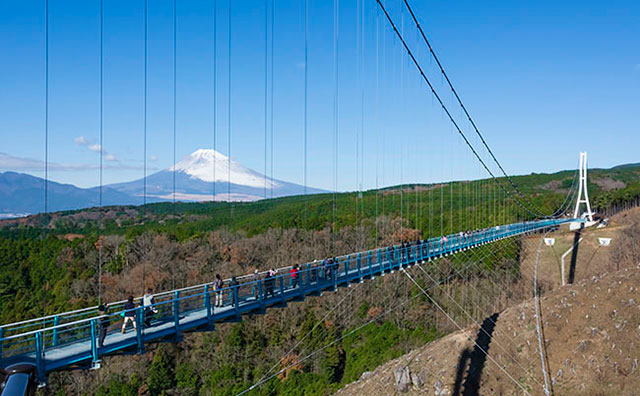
(592, 343)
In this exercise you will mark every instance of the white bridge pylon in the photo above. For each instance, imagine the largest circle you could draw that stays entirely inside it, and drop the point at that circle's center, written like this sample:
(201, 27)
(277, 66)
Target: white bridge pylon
(583, 196)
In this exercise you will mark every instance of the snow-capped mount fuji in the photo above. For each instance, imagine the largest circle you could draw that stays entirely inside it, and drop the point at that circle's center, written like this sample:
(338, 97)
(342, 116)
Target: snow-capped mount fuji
(197, 174)
(211, 166)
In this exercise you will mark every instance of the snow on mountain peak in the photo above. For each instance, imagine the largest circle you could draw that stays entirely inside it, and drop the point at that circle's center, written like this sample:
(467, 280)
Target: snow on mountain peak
(211, 166)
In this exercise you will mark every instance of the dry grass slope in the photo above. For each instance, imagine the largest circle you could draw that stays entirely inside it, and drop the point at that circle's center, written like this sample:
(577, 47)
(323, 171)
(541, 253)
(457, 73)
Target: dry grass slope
(591, 329)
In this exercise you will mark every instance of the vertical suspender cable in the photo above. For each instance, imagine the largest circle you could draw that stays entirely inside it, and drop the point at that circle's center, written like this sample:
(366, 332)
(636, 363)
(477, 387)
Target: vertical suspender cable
(358, 132)
(100, 138)
(266, 90)
(377, 116)
(229, 126)
(215, 92)
(306, 104)
(362, 92)
(46, 138)
(144, 143)
(146, 70)
(273, 12)
(175, 56)
(336, 11)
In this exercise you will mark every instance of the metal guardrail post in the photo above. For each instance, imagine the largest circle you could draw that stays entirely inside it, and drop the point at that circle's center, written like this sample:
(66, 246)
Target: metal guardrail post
(176, 311)
(139, 322)
(207, 305)
(39, 356)
(204, 297)
(380, 263)
(394, 257)
(370, 264)
(94, 346)
(236, 304)
(359, 265)
(346, 269)
(282, 289)
(55, 331)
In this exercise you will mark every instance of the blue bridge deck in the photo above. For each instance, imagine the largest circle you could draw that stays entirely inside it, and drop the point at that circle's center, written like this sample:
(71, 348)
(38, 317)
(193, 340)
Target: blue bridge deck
(70, 339)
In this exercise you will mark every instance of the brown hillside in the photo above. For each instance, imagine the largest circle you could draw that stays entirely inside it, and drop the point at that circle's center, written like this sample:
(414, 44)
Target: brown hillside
(592, 337)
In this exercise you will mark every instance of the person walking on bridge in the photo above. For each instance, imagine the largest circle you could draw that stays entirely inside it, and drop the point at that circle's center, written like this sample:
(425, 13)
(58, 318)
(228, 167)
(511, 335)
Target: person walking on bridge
(269, 283)
(149, 310)
(255, 288)
(233, 289)
(103, 325)
(218, 285)
(294, 276)
(129, 314)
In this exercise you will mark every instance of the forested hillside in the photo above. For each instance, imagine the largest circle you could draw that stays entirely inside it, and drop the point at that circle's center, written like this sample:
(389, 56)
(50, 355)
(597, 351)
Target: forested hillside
(50, 264)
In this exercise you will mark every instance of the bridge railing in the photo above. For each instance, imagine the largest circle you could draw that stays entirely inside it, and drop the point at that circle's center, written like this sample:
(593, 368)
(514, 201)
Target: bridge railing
(57, 331)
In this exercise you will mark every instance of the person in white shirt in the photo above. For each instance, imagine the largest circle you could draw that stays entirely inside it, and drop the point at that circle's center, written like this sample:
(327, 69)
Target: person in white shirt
(149, 310)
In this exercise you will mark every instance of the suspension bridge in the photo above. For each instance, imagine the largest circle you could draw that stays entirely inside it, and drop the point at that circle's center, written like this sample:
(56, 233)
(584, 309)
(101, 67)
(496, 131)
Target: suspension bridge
(69, 340)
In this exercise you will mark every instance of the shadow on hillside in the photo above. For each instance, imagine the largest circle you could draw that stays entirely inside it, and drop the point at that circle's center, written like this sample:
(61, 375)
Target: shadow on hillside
(475, 360)
(574, 256)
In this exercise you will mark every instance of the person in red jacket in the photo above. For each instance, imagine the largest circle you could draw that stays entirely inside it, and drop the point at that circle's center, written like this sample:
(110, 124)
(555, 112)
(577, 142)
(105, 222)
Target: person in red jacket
(294, 276)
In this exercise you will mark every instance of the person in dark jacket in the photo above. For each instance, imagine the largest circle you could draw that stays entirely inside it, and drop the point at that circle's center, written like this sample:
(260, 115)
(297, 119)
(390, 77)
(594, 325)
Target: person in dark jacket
(218, 285)
(269, 283)
(129, 314)
(103, 324)
(232, 286)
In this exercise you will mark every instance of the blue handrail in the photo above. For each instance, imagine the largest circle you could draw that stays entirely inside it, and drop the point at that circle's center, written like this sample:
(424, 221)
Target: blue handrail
(73, 341)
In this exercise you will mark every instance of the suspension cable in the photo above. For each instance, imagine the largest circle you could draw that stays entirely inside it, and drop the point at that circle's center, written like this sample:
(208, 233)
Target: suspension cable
(100, 139)
(444, 108)
(462, 329)
(144, 193)
(538, 325)
(455, 93)
(46, 140)
(215, 95)
(229, 124)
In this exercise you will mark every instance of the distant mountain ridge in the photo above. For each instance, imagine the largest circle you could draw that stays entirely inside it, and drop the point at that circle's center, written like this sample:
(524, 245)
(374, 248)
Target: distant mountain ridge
(204, 171)
(22, 194)
(197, 176)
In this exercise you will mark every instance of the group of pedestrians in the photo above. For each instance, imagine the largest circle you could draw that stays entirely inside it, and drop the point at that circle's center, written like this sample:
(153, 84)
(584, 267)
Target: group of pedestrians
(130, 310)
(129, 315)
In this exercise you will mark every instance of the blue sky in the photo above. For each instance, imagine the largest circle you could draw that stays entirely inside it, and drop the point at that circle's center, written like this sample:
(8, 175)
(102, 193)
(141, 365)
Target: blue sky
(543, 81)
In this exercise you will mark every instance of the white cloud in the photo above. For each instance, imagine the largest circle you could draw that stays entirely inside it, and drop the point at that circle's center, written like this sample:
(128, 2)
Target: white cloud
(81, 141)
(10, 162)
(154, 158)
(95, 147)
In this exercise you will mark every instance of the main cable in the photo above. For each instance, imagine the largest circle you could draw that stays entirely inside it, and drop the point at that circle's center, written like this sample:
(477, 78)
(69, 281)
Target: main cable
(444, 108)
(455, 93)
